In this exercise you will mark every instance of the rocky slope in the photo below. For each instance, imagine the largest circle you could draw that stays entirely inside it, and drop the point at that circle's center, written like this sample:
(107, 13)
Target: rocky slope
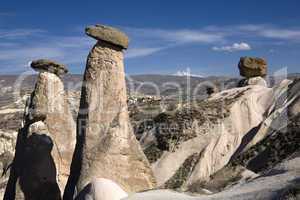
(265, 134)
(265, 164)
(218, 138)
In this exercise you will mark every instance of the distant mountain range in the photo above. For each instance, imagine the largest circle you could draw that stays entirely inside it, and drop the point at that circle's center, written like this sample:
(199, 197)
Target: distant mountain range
(146, 84)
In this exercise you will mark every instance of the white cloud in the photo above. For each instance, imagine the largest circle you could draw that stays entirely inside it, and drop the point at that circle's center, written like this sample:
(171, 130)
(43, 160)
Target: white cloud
(235, 47)
(281, 34)
(191, 36)
(181, 36)
(270, 31)
(251, 27)
(138, 52)
(29, 53)
(148, 41)
(18, 51)
(19, 33)
(20, 45)
(261, 31)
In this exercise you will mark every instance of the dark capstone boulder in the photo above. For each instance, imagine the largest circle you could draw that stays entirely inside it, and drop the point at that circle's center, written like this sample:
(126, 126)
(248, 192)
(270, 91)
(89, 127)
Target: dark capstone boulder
(49, 66)
(251, 67)
(108, 34)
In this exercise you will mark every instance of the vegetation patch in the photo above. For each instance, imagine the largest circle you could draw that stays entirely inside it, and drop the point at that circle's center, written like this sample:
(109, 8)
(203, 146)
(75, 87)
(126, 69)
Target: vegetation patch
(182, 174)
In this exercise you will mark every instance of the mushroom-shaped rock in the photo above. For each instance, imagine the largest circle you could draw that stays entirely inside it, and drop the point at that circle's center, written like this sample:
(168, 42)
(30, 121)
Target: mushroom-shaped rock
(251, 67)
(49, 66)
(106, 145)
(108, 34)
(48, 122)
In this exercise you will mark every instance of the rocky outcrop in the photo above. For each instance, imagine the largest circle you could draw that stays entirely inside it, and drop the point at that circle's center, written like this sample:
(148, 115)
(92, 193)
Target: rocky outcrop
(280, 183)
(49, 99)
(273, 138)
(251, 67)
(106, 146)
(7, 147)
(195, 142)
(264, 166)
(278, 136)
(46, 141)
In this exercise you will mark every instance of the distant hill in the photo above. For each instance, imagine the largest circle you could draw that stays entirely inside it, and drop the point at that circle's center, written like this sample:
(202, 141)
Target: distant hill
(145, 84)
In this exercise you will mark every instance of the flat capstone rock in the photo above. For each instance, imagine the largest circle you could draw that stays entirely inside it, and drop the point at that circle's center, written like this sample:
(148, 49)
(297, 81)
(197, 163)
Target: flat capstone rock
(49, 66)
(108, 34)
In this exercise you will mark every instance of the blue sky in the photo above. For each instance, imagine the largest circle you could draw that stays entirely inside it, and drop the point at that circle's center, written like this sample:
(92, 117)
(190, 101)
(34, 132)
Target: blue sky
(167, 36)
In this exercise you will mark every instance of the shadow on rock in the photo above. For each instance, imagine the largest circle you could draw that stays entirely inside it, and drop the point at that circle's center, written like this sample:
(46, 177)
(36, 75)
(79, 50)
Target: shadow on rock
(33, 172)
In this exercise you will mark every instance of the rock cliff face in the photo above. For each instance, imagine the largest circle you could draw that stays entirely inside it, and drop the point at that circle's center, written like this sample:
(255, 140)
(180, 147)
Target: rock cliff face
(278, 136)
(46, 141)
(106, 145)
(264, 164)
(206, 137)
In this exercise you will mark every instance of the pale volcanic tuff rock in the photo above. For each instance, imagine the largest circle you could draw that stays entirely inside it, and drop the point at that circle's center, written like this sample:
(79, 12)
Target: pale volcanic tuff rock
(46, 142)
(275, 140)
(7, 145)
(102, 189)
(278, 136)
(257, 81)
(252, 67)
(205, 137)
(49, 99)
(294, 108)
(271, 150)
(106, 145)
(282, 182)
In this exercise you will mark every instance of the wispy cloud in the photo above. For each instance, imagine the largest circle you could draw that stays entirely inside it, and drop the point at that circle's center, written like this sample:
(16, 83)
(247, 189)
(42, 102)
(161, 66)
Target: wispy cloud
(257, 31)
(191, 36)
(180, 36)
(271, 31)
(19, 33)
(289, 34)
(24, 45)
(138, 52)
(234, 47)
(148, 41)
(20, 45)
(30, 53)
